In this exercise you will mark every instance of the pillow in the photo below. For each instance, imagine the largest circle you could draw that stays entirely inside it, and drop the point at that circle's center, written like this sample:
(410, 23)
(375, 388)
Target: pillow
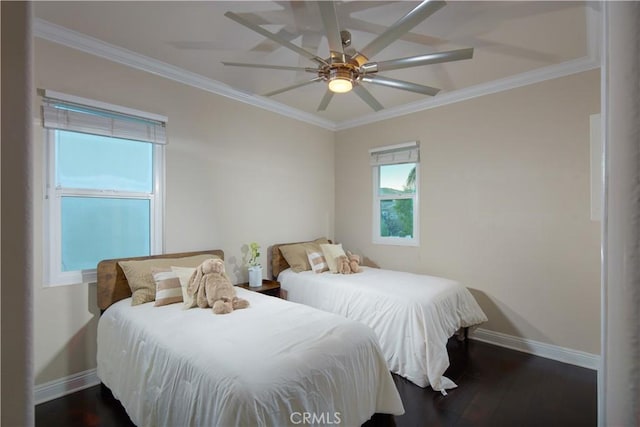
(296, 254)
(317, 262)
(168, 290)
(138, 273)
(331, 252)
(184, 274)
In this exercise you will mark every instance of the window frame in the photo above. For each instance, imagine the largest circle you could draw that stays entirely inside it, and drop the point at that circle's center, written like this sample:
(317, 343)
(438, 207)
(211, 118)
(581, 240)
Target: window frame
(54, 276)
(377, 238)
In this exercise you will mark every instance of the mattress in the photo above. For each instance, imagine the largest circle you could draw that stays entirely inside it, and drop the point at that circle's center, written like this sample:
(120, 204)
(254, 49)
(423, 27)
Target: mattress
(413, 315)
(266, 365)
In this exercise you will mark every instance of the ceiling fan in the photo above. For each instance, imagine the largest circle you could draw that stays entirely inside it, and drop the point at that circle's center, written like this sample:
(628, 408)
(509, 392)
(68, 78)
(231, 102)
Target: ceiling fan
(347, 69)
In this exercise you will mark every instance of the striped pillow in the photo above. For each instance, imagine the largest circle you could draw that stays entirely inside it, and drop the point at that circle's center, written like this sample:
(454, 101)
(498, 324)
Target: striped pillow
(168, 289)
(317, 262)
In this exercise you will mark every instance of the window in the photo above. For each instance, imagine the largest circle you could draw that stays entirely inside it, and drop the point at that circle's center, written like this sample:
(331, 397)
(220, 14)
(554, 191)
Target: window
(395, 171)
(105, 173)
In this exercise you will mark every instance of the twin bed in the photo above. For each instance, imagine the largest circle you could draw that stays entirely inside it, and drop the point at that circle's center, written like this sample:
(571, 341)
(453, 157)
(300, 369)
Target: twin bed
(413, 315)
(275, 363)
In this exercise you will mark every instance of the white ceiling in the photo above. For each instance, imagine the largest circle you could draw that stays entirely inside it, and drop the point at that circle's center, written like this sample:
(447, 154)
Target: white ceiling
(510, 40)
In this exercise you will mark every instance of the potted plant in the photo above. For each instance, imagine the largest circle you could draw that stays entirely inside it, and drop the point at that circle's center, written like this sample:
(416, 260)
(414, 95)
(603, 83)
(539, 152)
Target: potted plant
(254, 267)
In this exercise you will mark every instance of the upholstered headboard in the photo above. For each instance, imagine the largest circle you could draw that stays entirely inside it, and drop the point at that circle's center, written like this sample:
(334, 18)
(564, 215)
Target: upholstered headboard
(112, 283)
(278, 263)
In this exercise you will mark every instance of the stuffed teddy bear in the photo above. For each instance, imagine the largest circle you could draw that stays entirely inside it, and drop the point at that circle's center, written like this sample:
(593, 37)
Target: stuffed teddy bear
(354, 262)
(348, 264)
(210, 287)
(342, 264)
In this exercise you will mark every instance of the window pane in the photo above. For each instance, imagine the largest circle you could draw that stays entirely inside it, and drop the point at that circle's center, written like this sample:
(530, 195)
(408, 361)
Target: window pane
(103, 163)
(396, 218)
(397, 179)
(94, 229)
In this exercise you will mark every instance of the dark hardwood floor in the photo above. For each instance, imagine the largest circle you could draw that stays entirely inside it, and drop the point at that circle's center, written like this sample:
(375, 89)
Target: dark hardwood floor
(496, 387)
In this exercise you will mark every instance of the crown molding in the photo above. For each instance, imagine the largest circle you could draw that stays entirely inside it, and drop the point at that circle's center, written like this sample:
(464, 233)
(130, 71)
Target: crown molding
(79, 41)
(535, 76)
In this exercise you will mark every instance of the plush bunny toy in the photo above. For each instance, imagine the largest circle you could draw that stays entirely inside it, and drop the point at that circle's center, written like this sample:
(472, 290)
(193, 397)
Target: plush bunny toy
(210, 287)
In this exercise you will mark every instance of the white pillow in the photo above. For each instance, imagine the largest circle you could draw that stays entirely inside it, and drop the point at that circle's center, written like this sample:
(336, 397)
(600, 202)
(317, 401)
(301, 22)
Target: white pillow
(184, 274)
(331, 252)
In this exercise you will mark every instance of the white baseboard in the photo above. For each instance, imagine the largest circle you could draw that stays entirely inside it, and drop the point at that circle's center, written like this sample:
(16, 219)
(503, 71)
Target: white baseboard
(549, 351)
(63, 386)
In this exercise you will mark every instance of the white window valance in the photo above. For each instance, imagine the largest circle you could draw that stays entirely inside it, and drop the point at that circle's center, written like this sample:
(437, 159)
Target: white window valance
(408, 152)
(78, 117)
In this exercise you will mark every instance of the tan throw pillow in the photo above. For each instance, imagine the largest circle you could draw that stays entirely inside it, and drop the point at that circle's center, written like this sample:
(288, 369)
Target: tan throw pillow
(296, 254)
(168, 290)
(317, 262)
(184, 274)
(331, 252)
(138, 273)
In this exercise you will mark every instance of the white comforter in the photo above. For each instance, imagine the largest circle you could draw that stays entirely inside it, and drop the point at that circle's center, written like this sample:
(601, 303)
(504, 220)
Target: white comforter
(413, 315)
(267, 365)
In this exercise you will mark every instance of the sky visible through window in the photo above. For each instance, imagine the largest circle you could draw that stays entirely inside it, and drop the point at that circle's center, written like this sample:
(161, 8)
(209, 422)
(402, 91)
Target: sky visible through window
(103, 163)
(395, 176)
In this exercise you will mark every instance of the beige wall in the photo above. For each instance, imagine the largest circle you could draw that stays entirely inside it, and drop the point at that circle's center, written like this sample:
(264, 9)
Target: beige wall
(504, 205)
(234, 174)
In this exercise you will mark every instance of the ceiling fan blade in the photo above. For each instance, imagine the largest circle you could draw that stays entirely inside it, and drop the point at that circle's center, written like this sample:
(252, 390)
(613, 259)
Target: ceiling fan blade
(294, 86)
(400, 84)
(330, 22)
(368, 98)
(258, 29)
(326, 99)
(414, 61)
(271, 67)
(400, 27)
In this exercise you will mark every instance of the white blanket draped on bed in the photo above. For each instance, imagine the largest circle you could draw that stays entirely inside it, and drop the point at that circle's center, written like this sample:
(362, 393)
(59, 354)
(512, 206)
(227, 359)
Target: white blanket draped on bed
(413, 314)
(263, 366)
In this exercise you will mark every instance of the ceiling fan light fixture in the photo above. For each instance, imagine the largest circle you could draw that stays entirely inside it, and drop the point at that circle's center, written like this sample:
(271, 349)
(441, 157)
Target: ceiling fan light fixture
(339, 85)
(340, 80)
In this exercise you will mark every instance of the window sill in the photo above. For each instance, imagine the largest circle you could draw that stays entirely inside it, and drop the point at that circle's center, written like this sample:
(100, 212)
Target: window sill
(395, 241)
(72, 278)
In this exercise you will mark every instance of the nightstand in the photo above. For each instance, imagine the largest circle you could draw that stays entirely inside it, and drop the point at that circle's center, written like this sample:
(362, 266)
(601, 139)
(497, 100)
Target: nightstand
(269, 287)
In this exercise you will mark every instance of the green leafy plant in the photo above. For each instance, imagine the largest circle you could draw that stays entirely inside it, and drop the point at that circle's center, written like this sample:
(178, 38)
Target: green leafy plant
(254, 254)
